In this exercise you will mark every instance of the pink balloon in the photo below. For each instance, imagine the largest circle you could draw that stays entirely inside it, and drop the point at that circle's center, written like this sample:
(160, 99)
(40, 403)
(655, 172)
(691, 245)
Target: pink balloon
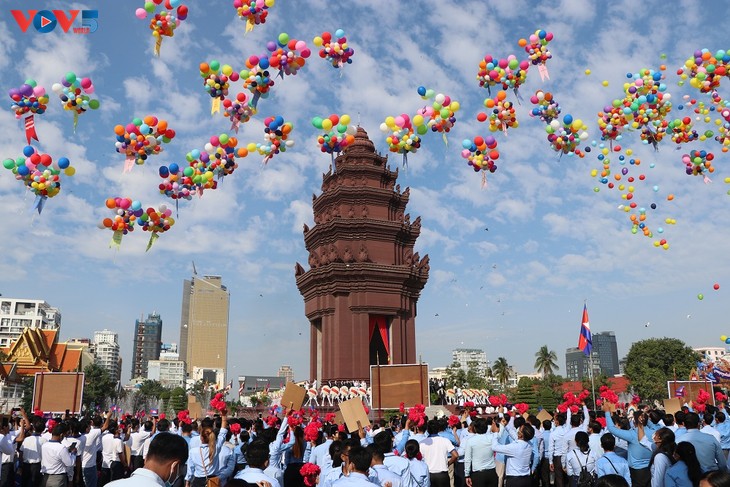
(140, 13)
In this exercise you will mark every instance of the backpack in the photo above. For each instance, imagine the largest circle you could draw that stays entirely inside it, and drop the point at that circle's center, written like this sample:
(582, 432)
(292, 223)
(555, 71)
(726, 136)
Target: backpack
(585, 478)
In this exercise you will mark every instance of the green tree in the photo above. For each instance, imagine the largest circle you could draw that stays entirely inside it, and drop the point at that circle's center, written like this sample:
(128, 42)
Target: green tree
(501, 370)
(651, 363)
(545, 361)
(27, 385)
(547, 398)
(475, 376)
(178, 400)
(98, 386)
(526, 393)
(455, 376)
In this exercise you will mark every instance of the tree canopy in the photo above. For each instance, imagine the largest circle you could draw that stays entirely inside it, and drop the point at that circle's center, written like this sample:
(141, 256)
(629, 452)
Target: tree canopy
(545, 361)
(651, 363)
(98, 386)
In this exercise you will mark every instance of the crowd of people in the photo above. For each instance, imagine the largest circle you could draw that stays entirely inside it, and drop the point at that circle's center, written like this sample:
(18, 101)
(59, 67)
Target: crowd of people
(646, 448)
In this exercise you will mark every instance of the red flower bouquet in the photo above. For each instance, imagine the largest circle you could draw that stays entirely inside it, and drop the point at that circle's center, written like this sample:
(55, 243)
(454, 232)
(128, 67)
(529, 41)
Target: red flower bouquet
(218, 403)
(329, 417)
(720, 397)
(235, 429)
(184, 416)
(310, 472)
(453, 421)
(417, 414)
(311, 431)
(522, 407)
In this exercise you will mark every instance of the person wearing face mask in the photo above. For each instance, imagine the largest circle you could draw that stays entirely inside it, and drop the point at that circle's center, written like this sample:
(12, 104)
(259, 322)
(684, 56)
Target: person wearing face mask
(163, 466)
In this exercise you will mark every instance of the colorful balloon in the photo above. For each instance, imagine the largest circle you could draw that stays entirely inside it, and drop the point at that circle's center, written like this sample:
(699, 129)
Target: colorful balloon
(157, 221)
(163, 23)
(39, 174)
(254, 12)
(74, 93)
(142, 138)
(238, 111)
(216, 80)
(338, 133)
(481, 154)
(28, 100)
(276, 138)
(125, 213)
(537, 51)
(334, 49)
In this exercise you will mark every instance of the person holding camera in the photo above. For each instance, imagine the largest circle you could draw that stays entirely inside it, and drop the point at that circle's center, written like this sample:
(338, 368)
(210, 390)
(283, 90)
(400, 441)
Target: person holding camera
(56, 458)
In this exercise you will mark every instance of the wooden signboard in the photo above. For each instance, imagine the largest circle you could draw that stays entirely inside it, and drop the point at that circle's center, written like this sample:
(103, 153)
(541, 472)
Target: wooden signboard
(56, 392)
(293, 397)
(353, 411)
(544, 415)
(195, 410)
(691, 388)
(671, 406)
(392, 385)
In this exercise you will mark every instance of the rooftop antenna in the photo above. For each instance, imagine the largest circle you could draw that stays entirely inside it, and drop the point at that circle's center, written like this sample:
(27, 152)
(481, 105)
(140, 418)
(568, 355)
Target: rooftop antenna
(358, 119)
(195, 272)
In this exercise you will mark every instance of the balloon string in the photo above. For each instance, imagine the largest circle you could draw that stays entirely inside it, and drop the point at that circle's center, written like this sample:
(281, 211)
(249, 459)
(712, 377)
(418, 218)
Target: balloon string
(484, 180)
(158, 44)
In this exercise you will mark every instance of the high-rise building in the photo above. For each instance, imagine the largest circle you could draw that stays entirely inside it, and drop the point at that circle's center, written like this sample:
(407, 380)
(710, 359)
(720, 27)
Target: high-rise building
(286, 372)
(604, 344)
(577, 364)
(147, 343)
(204, 323)
(106, 348)
(169, 372)
(467, 356)
(18, 314)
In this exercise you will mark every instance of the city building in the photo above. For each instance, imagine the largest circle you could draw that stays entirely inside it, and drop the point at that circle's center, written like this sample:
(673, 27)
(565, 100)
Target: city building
(437, 373)
(604, 344)
(711, 354)
(363, 278)
(577, 364)
(466, 356)
(254, 384)
(168, 351)
(147, 343)
(18, 314)
(170, 373)
(286, 372)
(106, 352)
(204, 323)
(214, 378)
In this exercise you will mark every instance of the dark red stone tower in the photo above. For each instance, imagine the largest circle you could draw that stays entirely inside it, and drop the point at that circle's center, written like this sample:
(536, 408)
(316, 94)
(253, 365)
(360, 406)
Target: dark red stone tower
(364, 279)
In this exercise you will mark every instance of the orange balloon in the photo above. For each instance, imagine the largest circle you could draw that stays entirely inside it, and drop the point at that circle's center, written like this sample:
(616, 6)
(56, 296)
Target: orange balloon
(501, 95)
(522, 42)
(107, 222)
(204, 68)
(119, 130)
(162, 126)
(670, 197)
(111, 203)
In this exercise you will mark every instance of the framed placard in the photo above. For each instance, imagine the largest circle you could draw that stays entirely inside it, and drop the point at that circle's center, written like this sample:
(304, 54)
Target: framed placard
(392, 385)
(56, 392)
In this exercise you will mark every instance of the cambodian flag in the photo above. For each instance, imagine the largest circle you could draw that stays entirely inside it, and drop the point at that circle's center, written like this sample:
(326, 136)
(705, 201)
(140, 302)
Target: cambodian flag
(585, 342)
(679, 392)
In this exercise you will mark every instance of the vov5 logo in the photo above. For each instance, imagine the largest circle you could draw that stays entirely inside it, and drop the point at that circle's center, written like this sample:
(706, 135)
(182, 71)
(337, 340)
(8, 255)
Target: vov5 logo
(45, 21)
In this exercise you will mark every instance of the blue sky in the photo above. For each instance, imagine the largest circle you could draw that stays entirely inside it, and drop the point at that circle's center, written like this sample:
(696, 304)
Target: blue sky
(552, 242)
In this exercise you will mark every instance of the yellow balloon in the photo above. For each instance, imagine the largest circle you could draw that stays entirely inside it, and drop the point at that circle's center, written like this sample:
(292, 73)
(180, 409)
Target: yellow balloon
(345, 120)
(723, 337)
(605, 82)
(69, 171)
(588, 72)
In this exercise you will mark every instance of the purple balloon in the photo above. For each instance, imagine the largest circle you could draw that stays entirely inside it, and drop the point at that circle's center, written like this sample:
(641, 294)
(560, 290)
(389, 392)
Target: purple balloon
(489, 140)
(271, 46)
(26, 90)
(12, 92)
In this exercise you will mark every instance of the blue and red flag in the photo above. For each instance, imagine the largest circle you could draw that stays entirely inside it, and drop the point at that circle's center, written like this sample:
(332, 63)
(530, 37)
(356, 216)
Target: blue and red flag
(585, 342)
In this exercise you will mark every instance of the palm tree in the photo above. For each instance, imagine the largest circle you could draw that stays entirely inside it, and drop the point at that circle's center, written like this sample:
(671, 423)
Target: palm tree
(545, 361)
(501, 370)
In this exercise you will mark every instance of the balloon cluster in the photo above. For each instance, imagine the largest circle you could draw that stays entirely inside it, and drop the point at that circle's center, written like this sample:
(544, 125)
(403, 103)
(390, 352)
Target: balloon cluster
(256, 78)
(287, 55)
(276, 138)
(547, 107)
(509, 73)
(216, 79)
(39, 173)
(682, 131)
(440, 116)
(481, 153)
(220, 154)
(238, 111)
(334, 49)
(537, 50)
(178, 185)
(254, 12)
(401, 137)
(338, 133)
(74, 94)
(142, 138)
(565, 137)
(28, 98)
(705, 70)
(163, 23)
(126, 211)
(698, 162)
(156, 220)
(502, 113)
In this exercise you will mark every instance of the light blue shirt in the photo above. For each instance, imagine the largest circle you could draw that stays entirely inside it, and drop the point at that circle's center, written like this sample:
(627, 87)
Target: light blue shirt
(355, 479)
(612, 464)
(198, 455)
(321, 455)
(419, 473)
(724, 430)
(679, 432)
(518, 457)
(677, 476)
(227, 461)
(659, 468)
(253, 475)
(639, 456)
(140, 478)
(708, 450)
(478, 454)
(399, 466)
(379, 474)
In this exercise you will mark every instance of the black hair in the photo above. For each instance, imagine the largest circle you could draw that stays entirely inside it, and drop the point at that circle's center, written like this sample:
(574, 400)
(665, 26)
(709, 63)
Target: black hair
(361, 458)
(608, 442)
(547, 424)
(268, 435)
(612, 480)
(257, 453)
(384, 442)
(335, 451)
(168, 447)
(163, 425)
(519, 421)
(560, 418)
(679, 417)
(687, 453)
(581, 441)
(433, 427)
(480, 426)
(413, 448)
(717, 478)
(595, 427)
(575, 420)
(669, 419)
(691, 421)
(148, 425)
(375, 451)
(528, 432)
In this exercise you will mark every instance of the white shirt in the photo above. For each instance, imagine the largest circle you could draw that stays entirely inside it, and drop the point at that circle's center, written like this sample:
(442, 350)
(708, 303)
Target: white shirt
(253, 475)
(136, 441)
(31, 448)
(93, 440)
(10, 457)
(575, 459)
(111, 447)
(436, 451)
(55, 458)
(140, 478)
(79, 442)
(594, 443)
(519, 458)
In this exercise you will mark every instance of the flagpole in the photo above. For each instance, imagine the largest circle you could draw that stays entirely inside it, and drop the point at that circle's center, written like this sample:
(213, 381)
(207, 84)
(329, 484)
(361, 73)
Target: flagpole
(590, 367)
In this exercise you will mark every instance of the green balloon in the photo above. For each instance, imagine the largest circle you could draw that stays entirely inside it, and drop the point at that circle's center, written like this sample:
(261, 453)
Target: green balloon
(137, 121)
(189, 171)
(283, 38)
(700, 297)
(422, 129)
(149, 7)
(71, 77)
(31, 82)
(93, 104)
(317, 122)
(215, 65)
(8, 164)
(223, 139)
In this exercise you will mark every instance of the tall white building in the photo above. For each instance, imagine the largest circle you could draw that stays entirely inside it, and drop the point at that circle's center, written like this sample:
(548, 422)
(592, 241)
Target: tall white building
(466, 356)
(18, 314)
(170, 373)
(106, 343)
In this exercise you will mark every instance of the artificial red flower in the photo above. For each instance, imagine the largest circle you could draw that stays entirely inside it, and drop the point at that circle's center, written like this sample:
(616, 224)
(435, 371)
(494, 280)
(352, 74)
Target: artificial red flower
(330, 417)
(310, 471)
(235, 428)
(494, 401)
(720, 397)
(602, 421)
(38, 412)
(635, 399)
(522, 407)
(218, 403)
(271, 421)
(311, 431)
(184, 416)
(402, 407)
(417, 414)
(607, 394)
(162, 416)
(468, 404)
(453, 421)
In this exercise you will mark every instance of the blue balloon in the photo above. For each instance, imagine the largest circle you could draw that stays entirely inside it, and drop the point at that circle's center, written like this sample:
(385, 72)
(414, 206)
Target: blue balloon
(63, 162)
(264, 63)
(422, 90)
(28, 150)
(174, 168)
(164, 172)
(23, 170)
(568, 119)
